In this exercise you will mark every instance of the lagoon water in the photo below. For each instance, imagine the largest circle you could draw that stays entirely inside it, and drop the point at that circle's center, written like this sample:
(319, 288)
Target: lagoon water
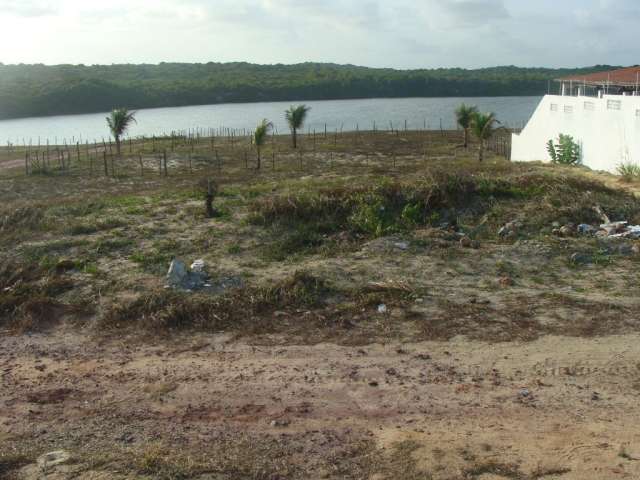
(346, 115)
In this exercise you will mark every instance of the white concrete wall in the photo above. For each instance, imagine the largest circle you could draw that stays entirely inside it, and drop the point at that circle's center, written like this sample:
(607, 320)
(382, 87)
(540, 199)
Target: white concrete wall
(608, 135)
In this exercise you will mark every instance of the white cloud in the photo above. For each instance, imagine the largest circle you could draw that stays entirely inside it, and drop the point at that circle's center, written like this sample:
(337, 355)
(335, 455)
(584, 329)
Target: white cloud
(27, 8)
(397, 33)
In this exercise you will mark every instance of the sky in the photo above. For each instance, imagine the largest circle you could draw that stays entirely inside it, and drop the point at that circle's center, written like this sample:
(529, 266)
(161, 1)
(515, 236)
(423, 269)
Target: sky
(376, 33)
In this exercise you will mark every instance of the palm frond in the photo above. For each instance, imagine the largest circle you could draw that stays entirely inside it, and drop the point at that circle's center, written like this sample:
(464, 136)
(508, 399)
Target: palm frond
(483, 125)
(296, 116)
(120, 120)
(464, 115)
(262, 130)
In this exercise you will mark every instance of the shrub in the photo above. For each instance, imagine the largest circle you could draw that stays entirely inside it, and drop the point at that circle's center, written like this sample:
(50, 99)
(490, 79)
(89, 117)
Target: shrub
(565, 152)
(629, 171)
(249, 308)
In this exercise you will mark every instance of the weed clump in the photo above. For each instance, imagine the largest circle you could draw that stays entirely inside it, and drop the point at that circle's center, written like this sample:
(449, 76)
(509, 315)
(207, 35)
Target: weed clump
(247, 308)
(28, 295)
(307, 221)
(630, 172)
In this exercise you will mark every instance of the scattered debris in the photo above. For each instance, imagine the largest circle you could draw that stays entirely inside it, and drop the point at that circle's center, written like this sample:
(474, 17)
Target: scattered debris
(616, 229)
(279, 423)
(627, 231)
(382, 308)
(180, 278)
(586, 229)
(510, 230)
(566, 230)
(600, 212)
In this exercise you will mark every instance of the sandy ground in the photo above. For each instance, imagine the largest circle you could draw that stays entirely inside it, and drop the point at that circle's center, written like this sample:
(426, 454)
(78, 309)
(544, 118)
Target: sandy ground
(7, 163)
(563, 408)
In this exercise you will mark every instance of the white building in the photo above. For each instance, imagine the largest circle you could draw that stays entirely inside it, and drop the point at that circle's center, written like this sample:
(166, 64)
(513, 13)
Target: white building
(600, 111)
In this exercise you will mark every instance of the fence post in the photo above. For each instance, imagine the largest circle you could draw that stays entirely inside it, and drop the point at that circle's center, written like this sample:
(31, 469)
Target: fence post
(164, 158)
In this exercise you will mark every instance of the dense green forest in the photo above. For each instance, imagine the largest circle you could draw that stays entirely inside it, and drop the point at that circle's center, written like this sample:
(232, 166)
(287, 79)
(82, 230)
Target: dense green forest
(34, 90)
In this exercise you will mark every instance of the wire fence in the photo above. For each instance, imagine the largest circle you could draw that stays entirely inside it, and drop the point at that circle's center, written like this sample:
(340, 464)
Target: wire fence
(217, 148)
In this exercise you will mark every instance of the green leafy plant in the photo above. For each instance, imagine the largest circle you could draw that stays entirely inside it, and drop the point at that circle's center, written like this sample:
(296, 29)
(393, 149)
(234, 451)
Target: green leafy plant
(260, 137)
(464, 118)
(295, 117)
(565, 152)
(413, 214)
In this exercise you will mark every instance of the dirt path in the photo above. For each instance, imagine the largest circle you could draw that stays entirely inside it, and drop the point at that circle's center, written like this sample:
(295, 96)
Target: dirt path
(555, 408)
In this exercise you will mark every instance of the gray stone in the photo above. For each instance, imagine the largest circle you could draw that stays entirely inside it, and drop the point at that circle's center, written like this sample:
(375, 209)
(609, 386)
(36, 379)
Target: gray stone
(580, 258)
(177, 274)
(524, 393)
(401, 245)
(179, 277)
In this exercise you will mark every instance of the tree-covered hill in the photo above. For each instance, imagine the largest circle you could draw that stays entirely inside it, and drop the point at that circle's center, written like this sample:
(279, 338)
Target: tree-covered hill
(34, 90)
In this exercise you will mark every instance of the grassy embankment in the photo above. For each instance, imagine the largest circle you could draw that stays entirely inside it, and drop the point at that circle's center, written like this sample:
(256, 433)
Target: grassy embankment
(311, 233)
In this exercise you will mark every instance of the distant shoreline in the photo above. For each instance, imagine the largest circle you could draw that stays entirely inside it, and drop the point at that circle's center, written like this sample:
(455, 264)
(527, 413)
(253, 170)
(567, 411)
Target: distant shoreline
(105, 112)
(28, 91)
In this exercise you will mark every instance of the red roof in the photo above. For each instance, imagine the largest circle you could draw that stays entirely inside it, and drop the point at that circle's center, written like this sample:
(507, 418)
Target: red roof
(622, 77)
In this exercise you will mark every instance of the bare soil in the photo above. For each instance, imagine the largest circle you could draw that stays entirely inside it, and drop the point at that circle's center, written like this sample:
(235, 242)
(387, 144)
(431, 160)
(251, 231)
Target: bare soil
(557, 407)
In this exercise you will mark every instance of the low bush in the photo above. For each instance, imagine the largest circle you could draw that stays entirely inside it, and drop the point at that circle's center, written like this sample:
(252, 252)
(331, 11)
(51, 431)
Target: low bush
(28, 295)
(304, 222)
(630, 172)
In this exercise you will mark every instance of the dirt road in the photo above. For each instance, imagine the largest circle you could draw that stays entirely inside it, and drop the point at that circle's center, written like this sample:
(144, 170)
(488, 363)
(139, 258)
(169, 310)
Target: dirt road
(563, 408)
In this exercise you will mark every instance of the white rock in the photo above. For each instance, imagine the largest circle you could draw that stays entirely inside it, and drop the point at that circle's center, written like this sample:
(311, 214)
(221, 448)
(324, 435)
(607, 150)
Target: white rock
(198, 266)
(401, 245)
(52, 459)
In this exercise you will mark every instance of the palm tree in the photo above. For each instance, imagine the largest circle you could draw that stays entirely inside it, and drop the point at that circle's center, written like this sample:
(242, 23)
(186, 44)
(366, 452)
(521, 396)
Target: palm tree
(464, 116)
(483, 126)
(295, 117)
(119, 121)
(260, 136)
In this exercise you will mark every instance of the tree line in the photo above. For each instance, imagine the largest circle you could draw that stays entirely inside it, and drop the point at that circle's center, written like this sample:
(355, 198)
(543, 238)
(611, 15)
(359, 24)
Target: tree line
(39, 90)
